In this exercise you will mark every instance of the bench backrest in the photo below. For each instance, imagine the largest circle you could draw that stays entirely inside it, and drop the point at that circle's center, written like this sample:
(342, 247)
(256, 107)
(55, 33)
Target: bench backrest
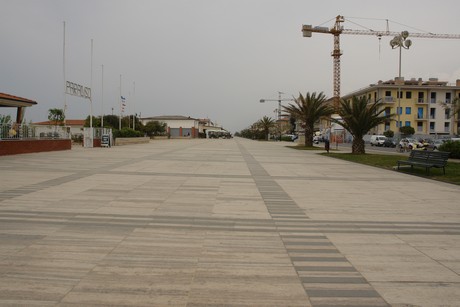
(436, 158)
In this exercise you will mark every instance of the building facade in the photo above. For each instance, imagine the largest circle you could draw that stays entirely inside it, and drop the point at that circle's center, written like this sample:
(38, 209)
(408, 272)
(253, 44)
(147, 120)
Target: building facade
(72, 126)
(424, 105)
(177, 125)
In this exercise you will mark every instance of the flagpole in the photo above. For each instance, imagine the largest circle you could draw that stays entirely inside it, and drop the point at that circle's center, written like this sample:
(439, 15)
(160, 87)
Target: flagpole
(119, 118)
(102, 102)
(134, 106)
(129, 109)
(91, 96)
(63, 74)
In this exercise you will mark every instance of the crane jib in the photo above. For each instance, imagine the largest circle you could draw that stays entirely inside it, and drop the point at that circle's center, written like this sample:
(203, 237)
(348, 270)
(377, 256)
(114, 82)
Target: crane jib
(390, 33)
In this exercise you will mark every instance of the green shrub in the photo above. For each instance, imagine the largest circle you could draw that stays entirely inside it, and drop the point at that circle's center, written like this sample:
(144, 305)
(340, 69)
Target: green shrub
(389, 133)
(286, 138)
(407, 130)
(452, 147)
(126, 133)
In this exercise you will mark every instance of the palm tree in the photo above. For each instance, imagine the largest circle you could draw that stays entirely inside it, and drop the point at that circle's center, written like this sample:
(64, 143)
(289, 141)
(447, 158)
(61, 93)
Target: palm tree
(456, 107)
(266, 123)
(57, 116)
(309, 109)
(358, 117)
(453, 109)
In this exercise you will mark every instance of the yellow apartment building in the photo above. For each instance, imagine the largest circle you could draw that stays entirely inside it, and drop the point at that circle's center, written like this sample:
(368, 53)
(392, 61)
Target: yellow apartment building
(423, 105)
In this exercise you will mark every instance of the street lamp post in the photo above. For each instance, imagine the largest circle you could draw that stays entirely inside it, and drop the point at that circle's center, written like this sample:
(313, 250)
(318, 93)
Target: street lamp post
(279, 108)
(400, 41)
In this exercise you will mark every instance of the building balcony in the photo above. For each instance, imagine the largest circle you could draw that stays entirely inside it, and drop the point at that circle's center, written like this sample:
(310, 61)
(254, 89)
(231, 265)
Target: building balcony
(421, 101)
(421, 117)
(389, 99)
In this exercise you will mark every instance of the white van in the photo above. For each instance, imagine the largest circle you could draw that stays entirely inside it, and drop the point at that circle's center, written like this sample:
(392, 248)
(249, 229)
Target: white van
(377, 140)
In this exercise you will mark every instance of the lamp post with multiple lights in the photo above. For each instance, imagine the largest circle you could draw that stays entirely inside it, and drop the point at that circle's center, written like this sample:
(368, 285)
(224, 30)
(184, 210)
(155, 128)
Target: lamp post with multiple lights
(279, 108)
(400, 41)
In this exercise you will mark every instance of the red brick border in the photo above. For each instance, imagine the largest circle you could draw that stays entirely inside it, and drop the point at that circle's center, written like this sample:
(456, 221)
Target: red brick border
(13, 147)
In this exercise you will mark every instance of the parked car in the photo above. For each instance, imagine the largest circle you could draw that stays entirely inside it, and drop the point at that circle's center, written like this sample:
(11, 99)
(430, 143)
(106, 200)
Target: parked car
(389, 142)
(317, 139)
(434, 145)
(409, 143)
(292, 137)
(377, 140)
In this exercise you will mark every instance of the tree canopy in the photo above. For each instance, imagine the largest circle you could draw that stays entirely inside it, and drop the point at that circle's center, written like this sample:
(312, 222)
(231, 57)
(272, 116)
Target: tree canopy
(309, 109)
(56, 116)
(358, 116)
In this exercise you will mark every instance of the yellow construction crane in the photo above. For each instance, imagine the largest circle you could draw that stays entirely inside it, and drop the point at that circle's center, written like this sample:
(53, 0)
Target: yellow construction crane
(338, 29)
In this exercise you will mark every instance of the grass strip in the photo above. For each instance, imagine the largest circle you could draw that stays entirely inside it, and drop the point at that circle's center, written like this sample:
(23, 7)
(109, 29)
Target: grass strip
(390, 162)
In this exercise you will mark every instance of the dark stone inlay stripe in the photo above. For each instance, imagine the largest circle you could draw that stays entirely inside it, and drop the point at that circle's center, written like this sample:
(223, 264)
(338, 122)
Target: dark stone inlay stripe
(319, 259)
(326, 268)
(333, 280)
(314, 251)
(342, 293)
(308, 243)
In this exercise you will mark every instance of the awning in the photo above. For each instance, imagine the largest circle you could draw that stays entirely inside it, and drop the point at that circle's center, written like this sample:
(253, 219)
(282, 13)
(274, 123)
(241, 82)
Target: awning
(10, 101)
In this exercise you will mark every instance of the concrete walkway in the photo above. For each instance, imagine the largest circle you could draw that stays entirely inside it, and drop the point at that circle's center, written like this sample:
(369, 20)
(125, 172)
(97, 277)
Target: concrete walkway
(222, 223)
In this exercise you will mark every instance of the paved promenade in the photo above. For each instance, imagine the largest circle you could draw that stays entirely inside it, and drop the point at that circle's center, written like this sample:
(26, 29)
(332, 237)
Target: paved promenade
(222, 223)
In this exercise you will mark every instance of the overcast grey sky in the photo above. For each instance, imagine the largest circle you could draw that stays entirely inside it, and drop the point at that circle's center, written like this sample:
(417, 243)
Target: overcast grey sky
(210, 58)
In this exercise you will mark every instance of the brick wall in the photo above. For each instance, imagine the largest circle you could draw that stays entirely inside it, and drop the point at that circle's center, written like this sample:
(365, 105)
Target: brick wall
(12, 147)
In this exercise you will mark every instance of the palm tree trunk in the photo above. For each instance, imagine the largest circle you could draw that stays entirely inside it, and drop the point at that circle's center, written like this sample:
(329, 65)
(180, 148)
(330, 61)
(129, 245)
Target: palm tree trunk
(308, 137)
(357, 146)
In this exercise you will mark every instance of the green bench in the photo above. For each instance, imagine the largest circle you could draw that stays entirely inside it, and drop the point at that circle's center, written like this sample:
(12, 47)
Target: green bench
(426, 159)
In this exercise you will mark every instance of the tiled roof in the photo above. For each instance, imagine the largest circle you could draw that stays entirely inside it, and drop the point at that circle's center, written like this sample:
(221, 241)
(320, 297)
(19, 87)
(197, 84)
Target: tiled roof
(14, 101)
(68, 122)
(170, 117)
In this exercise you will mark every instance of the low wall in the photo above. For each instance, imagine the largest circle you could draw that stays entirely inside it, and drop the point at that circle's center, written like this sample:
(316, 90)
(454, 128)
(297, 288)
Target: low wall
(13, 147)
(130, 141)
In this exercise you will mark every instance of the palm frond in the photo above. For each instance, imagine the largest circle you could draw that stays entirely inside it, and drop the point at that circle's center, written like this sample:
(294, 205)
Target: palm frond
(359, 116)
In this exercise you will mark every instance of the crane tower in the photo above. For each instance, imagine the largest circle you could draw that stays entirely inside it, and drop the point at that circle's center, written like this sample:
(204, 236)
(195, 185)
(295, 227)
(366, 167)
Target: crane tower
(338, 29)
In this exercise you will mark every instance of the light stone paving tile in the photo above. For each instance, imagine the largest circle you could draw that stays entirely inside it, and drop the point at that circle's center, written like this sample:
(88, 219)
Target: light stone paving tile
(149, 248)
(420, 294)
(17, 290)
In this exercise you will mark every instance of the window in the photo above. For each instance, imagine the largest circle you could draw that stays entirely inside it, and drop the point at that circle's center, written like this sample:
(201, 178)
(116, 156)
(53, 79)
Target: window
(387, 111)
(399, 124)
(432, 113)
(408, 110)
(399, 94)
(387, 126)
(420, 113)
(433, 97)
(421, 97)
(446, 127)
(448, 97)
(408, 95)
(447, 113)
(387, 93)
(399, 110)
(419, 126)
(431, 127)
(407, 123)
